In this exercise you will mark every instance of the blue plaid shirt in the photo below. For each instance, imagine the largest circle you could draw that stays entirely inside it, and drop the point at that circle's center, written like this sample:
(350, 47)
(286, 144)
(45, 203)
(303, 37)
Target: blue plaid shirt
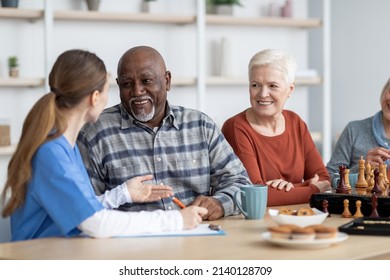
(187, 152)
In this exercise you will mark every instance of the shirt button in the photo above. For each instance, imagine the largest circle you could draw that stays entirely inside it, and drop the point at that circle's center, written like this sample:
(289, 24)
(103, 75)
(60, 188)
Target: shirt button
(158, 159)
(170, 207)
(194, 161)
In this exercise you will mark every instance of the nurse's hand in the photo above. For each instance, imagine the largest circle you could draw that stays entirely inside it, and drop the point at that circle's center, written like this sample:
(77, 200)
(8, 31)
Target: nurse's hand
(213, 206)
(141, 192)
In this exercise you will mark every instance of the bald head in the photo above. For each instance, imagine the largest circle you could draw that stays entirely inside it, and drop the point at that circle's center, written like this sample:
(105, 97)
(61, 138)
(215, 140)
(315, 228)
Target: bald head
(143, 53)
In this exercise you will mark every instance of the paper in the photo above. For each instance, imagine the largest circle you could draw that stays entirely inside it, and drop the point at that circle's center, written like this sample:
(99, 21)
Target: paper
(202, 229)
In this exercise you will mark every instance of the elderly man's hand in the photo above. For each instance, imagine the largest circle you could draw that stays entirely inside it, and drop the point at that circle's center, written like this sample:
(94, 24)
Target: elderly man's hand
(214, 207)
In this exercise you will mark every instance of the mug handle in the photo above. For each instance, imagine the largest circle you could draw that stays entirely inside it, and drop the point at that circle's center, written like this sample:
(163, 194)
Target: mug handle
(238, 204)
(335, 182)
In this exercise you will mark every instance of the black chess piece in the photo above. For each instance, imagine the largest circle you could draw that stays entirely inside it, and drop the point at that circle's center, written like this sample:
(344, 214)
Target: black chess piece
(342, 188)
(374, 203)
(376, 188)
(325, 205)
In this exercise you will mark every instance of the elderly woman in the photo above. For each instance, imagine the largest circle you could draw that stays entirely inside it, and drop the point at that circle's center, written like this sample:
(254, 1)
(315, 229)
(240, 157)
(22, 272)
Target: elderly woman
(275, 144)
(369, 138)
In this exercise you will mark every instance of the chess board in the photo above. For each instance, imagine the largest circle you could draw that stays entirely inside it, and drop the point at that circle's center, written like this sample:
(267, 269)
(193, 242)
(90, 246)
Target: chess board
(336, 205)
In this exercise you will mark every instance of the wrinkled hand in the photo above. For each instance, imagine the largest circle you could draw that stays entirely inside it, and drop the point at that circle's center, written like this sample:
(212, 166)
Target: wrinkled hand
(323, 186)
(140, 192)
(213, 206)
(377, 156)
(280, 184)
(192, 216)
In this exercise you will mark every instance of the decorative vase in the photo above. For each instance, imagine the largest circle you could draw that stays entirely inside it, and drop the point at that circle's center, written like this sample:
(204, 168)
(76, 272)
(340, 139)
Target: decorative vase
(93, 5)
(10, 3)
(13, 72)
(224, 10)
(149, 7)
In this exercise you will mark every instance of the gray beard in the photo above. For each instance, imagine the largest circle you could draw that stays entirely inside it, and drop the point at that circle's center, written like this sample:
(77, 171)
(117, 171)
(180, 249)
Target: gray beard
(142, 116)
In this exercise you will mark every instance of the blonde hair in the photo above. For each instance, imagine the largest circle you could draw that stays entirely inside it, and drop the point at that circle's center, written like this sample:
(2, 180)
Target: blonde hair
(277, 58)
(75, 75)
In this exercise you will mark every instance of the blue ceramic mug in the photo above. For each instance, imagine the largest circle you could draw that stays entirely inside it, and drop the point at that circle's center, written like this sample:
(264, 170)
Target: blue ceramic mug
(252, 201)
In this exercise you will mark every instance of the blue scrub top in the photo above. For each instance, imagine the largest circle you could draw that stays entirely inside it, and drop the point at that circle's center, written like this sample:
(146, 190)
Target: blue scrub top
(59, 196)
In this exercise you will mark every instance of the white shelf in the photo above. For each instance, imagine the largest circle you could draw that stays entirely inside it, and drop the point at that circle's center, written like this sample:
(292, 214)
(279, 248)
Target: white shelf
(16, 13)
(264, 21)
(7, 150)
(243, 81)
(21, 82)
(123, 17)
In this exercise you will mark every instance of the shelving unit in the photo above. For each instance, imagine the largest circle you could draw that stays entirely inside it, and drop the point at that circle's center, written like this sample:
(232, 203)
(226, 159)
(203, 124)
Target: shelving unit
(124, 17)
(21, 82)
(264, 21)
(200, 20)
(27, 14)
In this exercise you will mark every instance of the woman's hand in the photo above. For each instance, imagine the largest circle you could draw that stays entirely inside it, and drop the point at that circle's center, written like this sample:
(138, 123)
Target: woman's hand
(192, 216)
(323, 186)
(141, 192)
(280, 184)
(377, 156)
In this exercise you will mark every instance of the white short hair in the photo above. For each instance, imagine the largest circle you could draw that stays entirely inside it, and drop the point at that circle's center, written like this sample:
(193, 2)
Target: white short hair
(277, 58)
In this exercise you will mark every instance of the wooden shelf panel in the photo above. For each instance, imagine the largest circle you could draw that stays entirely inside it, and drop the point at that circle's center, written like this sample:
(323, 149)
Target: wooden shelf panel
(179, 82)
(264, 21)
(124, 17)
(16, 13)
(7, 150)
(241, 81)
(21, 82)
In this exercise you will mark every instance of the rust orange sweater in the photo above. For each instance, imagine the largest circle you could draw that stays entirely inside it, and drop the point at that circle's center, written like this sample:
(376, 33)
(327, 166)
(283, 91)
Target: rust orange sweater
(291, 156)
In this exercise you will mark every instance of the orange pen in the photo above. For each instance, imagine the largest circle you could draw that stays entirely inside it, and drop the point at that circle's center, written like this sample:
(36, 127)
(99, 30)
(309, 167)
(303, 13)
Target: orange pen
(178, 202)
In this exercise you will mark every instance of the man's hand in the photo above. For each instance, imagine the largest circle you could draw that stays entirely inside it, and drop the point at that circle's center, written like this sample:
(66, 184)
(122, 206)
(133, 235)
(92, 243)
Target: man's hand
(140, 192)
(214, 207)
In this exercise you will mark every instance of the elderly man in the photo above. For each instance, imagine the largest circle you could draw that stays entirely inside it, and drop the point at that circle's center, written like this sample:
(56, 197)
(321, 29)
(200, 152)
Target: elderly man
(144, 134)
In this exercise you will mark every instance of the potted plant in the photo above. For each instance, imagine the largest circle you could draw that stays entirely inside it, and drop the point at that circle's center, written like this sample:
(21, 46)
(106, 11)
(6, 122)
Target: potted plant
(148, 6)
(13, 67)
(9, 3)
(222, 7)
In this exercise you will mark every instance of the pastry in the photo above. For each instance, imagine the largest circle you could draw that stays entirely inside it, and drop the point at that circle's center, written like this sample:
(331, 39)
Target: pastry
(305, 212)
(303, 234)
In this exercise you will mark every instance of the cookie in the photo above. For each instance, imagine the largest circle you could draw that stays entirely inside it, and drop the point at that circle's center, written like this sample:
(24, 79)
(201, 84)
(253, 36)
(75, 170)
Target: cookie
(305, 212)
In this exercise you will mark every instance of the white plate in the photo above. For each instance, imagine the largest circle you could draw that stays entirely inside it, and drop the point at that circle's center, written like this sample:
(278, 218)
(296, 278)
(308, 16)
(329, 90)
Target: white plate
(305, 244)
(302, 221)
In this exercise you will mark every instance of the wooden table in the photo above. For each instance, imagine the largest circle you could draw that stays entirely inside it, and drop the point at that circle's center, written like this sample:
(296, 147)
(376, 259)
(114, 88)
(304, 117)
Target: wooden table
(242, 241)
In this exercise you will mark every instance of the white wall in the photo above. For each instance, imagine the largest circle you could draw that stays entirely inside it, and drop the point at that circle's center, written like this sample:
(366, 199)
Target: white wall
(360, 59)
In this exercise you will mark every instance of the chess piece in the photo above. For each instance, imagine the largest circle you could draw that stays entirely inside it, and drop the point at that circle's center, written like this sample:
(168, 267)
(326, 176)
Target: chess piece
(341, 188)
(381, 182)
(346, 213)
(371, 182)
(376, 189)
(358, 212)
(361, 184)
(382, 169)
(374, 203)
(325, 205)
(346, 180)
